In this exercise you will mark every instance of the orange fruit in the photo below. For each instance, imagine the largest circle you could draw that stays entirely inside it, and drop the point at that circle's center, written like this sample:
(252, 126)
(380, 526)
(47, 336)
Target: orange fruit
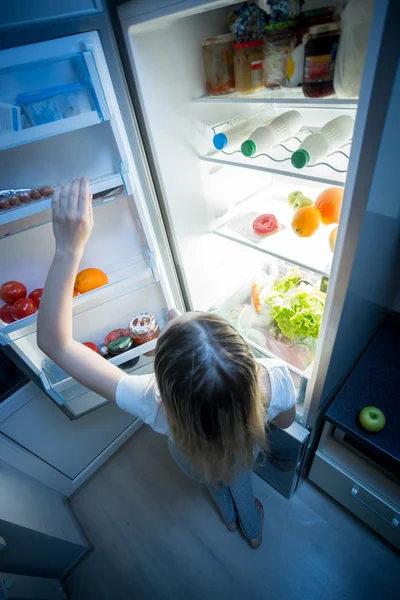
(332, 239)
(74, 293)
(306, 221)
(329, 204)
(90, 279)
(255, 296)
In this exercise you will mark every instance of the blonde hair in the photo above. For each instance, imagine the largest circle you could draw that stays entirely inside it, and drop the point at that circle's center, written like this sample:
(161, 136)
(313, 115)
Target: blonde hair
(208, 381)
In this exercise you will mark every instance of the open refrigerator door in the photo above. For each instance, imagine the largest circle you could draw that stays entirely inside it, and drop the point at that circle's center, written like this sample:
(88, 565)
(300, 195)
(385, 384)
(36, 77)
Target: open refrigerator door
(214, 194)
(70, 124)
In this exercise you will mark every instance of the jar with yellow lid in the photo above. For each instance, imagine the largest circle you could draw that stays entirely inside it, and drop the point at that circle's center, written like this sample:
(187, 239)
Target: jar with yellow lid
(248, 66)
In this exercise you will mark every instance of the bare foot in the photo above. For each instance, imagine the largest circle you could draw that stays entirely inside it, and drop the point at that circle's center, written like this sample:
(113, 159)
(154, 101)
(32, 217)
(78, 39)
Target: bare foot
(232, 526)
(256, 542)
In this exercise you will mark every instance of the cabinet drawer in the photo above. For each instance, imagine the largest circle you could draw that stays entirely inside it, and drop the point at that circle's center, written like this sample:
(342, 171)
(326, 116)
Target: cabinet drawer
(362, 500)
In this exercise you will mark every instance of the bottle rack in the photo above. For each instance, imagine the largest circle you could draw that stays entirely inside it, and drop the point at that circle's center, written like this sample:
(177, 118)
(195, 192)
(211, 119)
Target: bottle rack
(332, 171)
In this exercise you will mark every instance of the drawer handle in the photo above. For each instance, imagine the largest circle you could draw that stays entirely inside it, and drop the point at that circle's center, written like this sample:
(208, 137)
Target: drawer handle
(394, 522)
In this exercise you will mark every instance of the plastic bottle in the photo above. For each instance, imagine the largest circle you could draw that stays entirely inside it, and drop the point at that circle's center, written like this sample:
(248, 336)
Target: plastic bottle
(277, 131)
(233, 135)
(318, 145)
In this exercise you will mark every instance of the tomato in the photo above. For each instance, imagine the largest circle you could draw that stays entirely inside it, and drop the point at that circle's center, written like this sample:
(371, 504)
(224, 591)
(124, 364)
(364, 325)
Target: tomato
(36, 296)
(12, 291)
(5, 314)
(92, 346)
(24, 307)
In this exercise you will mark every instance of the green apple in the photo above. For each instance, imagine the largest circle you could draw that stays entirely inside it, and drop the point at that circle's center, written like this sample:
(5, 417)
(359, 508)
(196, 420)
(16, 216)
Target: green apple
(372, 419)
(302, 201)
(292, 197)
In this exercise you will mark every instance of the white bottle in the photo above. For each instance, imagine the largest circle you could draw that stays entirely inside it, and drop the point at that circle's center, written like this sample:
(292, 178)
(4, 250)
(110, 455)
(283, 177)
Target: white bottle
(233, 135)
(266, 137)
(318, 145)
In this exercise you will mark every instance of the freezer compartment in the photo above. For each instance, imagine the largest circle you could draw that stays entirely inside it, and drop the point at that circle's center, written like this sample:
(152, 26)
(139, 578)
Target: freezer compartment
(50, 96)
(312, 253)
(92, 325)
(263, 333)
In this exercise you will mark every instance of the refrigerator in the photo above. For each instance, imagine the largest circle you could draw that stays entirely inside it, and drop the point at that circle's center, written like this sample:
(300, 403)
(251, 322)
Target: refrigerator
(138, 122)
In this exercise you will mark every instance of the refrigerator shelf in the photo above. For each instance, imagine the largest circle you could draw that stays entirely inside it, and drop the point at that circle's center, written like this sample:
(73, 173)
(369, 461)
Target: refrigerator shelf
(41, 132)
(75, 399)
(332, 171)
(106, 188)
(125, 279)
(286, 96)
(311, 253)
(64, 389)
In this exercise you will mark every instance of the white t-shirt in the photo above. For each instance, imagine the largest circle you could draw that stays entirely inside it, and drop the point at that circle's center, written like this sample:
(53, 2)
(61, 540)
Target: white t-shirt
(138, 395)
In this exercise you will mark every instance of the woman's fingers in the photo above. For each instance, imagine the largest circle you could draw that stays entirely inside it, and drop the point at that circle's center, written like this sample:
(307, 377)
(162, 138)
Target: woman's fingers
(73, 198)
(83, 197)
(64, 197)
(55, 203)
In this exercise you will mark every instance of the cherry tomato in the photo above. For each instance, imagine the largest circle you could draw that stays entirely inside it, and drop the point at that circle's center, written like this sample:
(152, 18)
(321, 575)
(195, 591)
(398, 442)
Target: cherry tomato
(5, 314)
(92, 346)
(12, 291)
(24, 307)
(36, 296)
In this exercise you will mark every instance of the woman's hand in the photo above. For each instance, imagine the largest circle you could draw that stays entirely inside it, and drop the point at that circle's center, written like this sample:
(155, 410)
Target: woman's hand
(72, 215)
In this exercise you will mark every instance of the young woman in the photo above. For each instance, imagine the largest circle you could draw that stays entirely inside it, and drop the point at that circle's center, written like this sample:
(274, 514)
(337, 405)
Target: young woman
(208, 395)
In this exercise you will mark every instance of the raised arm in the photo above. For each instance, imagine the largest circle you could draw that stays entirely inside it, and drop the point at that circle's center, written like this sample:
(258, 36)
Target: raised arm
(72, 225)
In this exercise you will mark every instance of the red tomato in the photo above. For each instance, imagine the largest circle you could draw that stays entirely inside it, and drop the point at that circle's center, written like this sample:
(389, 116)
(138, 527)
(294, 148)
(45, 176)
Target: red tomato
(5, 314)
(12, 291)
(24, 307)
(36, 296)
(92, 346)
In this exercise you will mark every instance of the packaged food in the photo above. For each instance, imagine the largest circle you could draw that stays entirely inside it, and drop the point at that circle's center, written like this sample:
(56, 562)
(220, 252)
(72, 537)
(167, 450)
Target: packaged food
(218, 64)
(143, 328)
(355, 25)
(120, 345)
(115, 334)
(247, 22)
(248, 66)
(280, 40)
(319, 60)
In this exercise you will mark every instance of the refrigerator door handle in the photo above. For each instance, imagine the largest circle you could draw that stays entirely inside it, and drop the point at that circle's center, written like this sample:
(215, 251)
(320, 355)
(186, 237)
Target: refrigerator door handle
(393, 522)
(97, 86)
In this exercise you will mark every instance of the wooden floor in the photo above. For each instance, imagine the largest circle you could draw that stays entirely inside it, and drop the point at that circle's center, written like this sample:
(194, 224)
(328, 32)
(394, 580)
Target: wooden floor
(157, 535)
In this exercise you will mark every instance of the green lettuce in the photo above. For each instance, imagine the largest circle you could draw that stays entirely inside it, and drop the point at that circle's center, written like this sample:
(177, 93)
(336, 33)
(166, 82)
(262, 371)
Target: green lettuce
(295, 306)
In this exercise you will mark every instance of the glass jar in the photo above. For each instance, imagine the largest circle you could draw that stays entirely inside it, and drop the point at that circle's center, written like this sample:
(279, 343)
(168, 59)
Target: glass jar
(248, 66)
(279, 44)
(218, 64)
(319, 60)
(143, 328)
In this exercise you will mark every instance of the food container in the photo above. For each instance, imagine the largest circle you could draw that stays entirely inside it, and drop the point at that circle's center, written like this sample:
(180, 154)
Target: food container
(143, 328)
(279, 44)
(319, 60)
(248, 66)
(218, 64)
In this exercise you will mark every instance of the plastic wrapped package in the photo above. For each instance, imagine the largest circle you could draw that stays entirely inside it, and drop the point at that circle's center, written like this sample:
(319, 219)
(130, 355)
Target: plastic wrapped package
(355, 26)
(278, 46)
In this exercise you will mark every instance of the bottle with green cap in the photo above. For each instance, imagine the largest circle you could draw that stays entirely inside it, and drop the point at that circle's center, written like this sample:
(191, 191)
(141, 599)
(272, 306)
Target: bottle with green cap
(317, 146)
(233, 135)
(277, 131)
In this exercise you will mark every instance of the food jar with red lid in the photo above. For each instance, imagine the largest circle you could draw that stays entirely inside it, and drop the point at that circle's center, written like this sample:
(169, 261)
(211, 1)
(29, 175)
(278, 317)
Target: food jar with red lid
(248, 66)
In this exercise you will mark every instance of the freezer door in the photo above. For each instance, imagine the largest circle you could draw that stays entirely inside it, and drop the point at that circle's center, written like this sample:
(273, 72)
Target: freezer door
(70, 122)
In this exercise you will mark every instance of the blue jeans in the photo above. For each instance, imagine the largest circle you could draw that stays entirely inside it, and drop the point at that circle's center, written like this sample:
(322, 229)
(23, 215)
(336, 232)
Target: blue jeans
(235, 501)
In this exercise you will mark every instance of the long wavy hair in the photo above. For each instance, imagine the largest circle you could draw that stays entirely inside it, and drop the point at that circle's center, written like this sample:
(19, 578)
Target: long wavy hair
(208, 381)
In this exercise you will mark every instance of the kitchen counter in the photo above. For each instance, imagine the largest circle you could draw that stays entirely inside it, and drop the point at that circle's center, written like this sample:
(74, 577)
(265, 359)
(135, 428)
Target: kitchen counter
(375, 381)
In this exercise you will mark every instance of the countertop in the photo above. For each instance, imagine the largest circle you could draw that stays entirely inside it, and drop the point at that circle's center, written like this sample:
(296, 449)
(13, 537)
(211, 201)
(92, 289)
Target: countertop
(375, 381)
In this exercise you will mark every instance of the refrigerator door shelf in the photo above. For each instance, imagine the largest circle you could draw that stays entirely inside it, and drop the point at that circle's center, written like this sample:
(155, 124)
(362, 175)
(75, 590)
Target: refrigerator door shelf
(124, 280)
(105, 188)
(75, 399)
(332, 171)
(283, 97)
(55, 95)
